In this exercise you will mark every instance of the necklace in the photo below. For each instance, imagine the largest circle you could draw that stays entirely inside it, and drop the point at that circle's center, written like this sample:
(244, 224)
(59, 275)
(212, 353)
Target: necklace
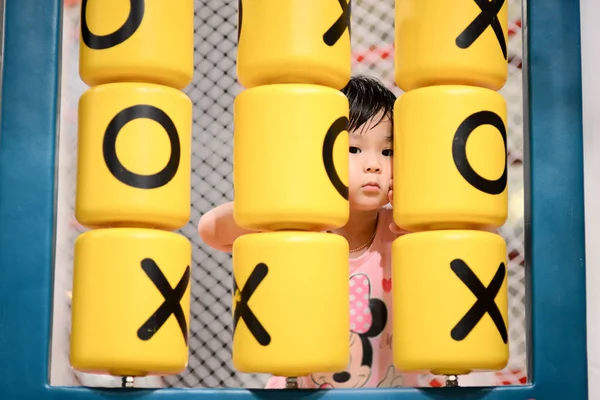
(370, 239)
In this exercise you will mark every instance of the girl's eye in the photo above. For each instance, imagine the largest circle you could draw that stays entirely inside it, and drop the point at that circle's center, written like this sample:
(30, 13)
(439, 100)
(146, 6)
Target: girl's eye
(388, 152)
(354, 150)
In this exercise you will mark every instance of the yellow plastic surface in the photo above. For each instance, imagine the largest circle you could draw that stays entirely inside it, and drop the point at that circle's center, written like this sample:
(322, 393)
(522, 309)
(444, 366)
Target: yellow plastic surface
(294, 41)
(291, 303)
(450, 159)
(131, 302)
(450, 301)
(291, 158)
(134, 156)
(442, 42)
(137, 40)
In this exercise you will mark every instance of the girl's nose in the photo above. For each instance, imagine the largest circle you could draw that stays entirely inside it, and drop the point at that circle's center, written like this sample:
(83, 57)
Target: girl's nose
(373, 168)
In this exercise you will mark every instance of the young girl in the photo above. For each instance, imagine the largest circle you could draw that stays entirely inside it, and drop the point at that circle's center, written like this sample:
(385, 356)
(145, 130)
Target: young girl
(370, 232)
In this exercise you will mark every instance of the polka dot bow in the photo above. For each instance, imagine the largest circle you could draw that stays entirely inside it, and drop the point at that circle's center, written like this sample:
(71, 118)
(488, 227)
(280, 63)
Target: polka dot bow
(360, 313)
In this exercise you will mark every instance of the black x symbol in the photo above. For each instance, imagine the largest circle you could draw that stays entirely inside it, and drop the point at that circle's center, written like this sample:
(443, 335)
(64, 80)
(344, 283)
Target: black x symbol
(171, 304)
(243, 311)
(488, 17)
(485, 300)
(336, 31)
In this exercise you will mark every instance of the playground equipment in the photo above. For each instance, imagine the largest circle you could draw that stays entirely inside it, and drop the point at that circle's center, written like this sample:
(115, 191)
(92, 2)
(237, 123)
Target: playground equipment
(131, 284)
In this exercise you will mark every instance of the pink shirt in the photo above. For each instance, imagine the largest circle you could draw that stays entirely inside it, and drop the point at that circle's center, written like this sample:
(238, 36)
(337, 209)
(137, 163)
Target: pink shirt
(371, 362)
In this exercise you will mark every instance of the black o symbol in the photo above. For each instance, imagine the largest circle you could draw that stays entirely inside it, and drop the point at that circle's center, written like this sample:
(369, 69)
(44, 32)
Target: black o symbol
(459, 151)
(110, 149)
(338, 126)
(133, 22)
(240, 19)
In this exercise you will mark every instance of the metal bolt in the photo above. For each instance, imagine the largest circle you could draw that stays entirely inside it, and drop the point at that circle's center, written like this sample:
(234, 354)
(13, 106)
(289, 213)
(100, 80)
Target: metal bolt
(127, 382)
(451, 381)
(291, 383)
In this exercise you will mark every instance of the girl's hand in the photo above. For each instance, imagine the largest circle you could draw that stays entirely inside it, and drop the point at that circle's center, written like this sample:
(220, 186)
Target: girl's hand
(393, 227)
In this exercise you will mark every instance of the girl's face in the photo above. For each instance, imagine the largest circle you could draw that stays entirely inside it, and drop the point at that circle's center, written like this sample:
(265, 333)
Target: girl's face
(371, 155)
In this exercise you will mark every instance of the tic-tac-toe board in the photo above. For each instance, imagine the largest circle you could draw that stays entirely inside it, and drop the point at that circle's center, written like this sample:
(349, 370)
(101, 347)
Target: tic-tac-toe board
(552, 155)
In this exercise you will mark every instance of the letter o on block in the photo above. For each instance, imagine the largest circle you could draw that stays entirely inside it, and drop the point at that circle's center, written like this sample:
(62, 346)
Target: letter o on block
(450, 302)
(131, 302)
(441, 42)
(294, 41)
(291, 305)
(450, 166)
(137, 40)
(291, 158)
(134, 156)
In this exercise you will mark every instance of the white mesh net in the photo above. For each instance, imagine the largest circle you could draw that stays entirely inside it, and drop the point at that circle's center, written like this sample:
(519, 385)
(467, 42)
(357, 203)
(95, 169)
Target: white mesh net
(213, 91)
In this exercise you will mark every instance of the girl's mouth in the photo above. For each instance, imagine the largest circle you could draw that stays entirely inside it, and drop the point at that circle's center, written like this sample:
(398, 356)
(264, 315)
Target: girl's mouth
(371, 187)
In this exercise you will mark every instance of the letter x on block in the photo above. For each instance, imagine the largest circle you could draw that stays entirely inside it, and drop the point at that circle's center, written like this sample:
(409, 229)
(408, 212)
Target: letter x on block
(485, 300)
(242, 309)
(488, 17)
(171, 305)
(338, 28)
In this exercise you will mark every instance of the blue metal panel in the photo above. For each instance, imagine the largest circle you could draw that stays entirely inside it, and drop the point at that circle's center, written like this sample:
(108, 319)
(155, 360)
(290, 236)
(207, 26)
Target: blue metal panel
(30, 83)
(555, 207)
(555, 217)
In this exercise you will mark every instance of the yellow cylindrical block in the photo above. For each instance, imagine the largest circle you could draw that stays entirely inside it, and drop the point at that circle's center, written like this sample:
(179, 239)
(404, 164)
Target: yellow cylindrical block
(450, 301)
(131, 302)
(450, 166)
(137, 40)
(294, 41)
(291, 158)
(134, 156)
(291, 312)
(441, 42)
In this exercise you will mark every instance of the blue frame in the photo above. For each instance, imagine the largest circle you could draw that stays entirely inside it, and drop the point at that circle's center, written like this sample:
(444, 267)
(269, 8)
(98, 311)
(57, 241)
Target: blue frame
(30, 88)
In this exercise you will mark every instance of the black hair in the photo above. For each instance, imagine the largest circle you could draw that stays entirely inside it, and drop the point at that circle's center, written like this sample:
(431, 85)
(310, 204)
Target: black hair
(368, 97)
